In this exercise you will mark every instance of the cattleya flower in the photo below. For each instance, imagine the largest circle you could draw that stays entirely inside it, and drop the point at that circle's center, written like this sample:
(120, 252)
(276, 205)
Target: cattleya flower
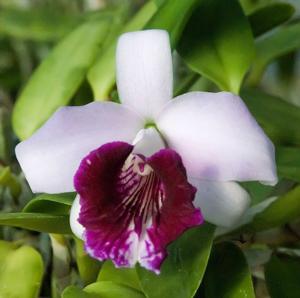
(142, 169)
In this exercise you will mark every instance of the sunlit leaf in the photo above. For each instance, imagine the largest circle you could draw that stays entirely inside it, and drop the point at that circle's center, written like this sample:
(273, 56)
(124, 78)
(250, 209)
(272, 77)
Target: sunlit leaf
(75, 292)
(21, 271)
(228, 274)
(104, 289)
(40, 222)
(270, 16)
(124, 276)
(5, 248)
(107, 289)
(280, 119)
(58, 77)
(217, 43)
(182, 271)
(282, 277)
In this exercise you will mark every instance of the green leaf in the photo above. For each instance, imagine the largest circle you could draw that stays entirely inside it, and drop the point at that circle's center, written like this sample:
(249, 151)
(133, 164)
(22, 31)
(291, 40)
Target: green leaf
(280, 119)
(74, 292)
(55, 81)
(8, 179)
(173, 16)
(40, 222)
(282, 277)
(105, 289)
(283, 210)
(21, 271)
(288, 162)
(218, 43)
(228, 274)
(182, 271)
(258, 192)
(101, 75)
(272, 46)
(58, 204)
(35, 24)
(268, 17)
(124, 276)
(88, 267)
(5, 249)
(6, 137)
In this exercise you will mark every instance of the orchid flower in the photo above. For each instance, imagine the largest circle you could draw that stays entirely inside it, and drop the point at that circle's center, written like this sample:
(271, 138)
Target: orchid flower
(144, 168)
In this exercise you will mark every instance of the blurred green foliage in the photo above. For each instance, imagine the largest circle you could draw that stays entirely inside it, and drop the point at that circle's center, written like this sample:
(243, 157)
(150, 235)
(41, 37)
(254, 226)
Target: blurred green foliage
(60, 52)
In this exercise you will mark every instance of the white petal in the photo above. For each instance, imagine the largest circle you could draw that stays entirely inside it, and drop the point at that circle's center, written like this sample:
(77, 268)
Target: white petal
(222, 203)
(247, 217)
(147, 142)
(52, 155)
(76, 227)
(217, 138)
(144, 71)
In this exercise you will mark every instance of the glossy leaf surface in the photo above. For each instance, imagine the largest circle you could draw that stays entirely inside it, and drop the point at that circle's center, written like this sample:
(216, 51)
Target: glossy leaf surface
(217, 43)
(228, 274)
(37, 222)
(182, 271)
